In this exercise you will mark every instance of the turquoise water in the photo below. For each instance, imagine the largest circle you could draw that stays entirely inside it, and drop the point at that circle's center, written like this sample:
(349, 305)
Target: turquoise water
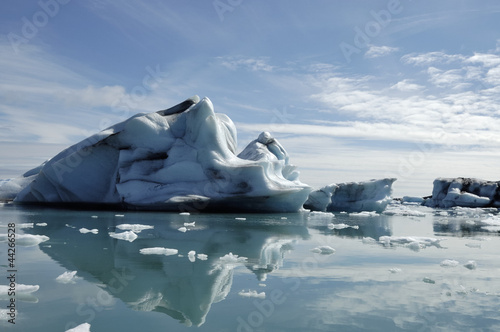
(275, 280)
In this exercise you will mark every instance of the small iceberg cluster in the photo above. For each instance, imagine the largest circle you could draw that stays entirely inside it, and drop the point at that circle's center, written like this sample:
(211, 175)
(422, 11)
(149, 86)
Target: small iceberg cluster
(466, 192)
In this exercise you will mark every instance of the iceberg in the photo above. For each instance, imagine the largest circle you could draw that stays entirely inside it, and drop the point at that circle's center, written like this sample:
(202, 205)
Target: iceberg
(464, 192)
(373, 195)
(182, 158)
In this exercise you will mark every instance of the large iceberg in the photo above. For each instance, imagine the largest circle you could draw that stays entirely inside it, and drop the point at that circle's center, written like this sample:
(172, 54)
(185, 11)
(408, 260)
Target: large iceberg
(466, 192)
(181, 158)
(373, 195)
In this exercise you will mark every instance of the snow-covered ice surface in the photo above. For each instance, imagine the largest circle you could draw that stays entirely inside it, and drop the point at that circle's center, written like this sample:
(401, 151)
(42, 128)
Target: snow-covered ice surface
(181, 158)
(400, 271)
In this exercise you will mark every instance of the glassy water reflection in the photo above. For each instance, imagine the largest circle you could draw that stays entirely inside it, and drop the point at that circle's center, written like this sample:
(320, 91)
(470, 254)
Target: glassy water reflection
(256, 272)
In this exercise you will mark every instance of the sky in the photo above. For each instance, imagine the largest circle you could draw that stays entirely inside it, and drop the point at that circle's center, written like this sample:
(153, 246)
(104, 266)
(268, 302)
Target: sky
(354, 90)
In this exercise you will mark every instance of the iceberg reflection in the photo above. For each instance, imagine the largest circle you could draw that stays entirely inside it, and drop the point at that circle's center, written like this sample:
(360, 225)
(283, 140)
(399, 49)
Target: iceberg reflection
(182, 286)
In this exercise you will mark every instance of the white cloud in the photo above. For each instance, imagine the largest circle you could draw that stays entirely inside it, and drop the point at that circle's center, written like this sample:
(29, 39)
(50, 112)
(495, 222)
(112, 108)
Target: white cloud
(426, 59)
(252, 64)
(379, 51)
(406, 85)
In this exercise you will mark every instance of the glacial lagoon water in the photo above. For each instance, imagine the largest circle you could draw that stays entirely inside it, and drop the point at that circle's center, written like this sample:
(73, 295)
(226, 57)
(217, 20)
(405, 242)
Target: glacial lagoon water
(413, 269)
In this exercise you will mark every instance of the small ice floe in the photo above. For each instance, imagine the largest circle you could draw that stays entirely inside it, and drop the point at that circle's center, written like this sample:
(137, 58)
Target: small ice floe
(127, 236)
(395, 270)
(471, 265)
(230, 258)
(428, 280)
(159, 251)
(414, 243)
(240, 218)
(364, 214)
(67, 277)
(184, 214)
(190, 224)
(136, 228)
(284, 218)
(26, 240)
(70, 226)
(369, 240)
(85, 327)
(192, 256)
(182, 229)
(202, 257)
(119, 215)
(323, 250)
(94, 217)
(320, 215)
(341, 226)
(473, 245)
(20, 290)
(85, 231)
(402, 210)
(449, 263)
(252, 293)
(26, 225)
(41, 224)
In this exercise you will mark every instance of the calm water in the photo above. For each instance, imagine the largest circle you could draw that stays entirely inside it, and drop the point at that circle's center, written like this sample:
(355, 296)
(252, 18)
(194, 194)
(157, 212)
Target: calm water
(277, 283)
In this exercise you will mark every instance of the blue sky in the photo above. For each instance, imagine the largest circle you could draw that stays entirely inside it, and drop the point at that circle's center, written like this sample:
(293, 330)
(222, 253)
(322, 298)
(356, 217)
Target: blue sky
(354, 90)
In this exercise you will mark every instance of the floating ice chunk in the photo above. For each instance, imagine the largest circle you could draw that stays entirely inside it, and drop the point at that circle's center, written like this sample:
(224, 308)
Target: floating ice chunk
(20, 289)
(341, 226)
(26, 225)
(240, 218)
(159, 251)
(412, 242)
(252, 293)
(69, 226)
(373, 195)
(182, 229)
(184, 214)
(283, 218)
(230, 258)
(192, 256)
(127, 236)
(412, 199)
(136, 228)
(94, 217)
(471, 265)
(369, 240)
(119, 215)
(402, 210)
(85, 231)
(26, 240)
(202, 257)
(395, 270)
(190, 224)
(67, 277)
(323, 250)
(428, 280)
(320, 215)
(449, 263)
(364, 214)
(85, 327)
(41, 224)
